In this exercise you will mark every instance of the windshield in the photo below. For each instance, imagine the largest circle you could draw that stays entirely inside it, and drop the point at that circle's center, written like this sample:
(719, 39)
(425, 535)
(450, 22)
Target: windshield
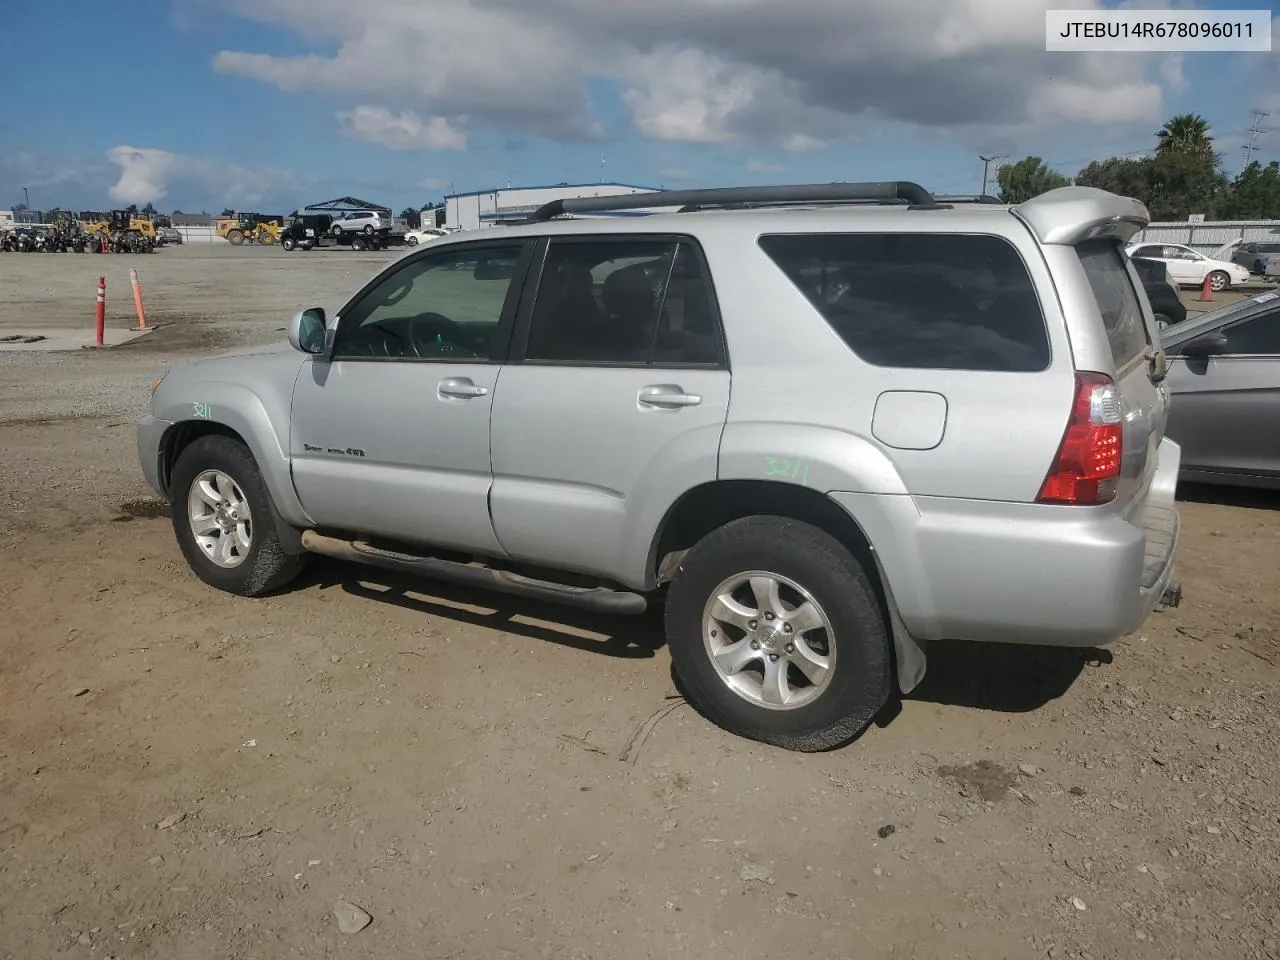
(1184, 331)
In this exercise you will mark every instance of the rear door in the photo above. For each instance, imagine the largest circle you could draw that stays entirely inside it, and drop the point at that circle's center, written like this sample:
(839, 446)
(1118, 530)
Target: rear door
(613, 403)
(1185, 266)
(1144, 404)
(1226, 409)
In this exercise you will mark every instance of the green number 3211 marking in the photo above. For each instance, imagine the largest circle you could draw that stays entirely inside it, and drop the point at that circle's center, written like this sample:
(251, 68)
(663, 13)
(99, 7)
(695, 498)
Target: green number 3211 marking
(201, 410)
(797, 470)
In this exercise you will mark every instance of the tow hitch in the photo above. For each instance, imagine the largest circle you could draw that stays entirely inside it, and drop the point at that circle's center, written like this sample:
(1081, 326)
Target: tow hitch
(1172, 595)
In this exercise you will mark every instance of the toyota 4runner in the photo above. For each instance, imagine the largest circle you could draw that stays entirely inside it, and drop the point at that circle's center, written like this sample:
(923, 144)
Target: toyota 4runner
(820, 425)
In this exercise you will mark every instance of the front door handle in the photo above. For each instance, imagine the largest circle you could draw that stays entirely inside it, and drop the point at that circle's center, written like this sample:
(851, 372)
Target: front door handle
(461, 388)
(667, 396)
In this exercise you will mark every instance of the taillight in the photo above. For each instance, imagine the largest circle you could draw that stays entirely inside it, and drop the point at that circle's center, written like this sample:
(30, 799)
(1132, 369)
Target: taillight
(1087, 466)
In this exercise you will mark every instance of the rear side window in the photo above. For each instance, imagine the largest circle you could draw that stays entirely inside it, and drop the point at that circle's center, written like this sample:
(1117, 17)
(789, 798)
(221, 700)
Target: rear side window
(1118, 303)
(920, 301)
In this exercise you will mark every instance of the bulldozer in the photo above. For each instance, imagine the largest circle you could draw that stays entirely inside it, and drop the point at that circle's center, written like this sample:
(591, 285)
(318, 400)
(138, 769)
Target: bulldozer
(248, 228)
(119, 231)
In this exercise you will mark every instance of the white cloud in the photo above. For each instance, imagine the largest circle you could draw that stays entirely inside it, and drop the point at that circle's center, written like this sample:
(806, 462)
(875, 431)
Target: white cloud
(763, 166)
(791, 75)
(403, 131)
(147, 174)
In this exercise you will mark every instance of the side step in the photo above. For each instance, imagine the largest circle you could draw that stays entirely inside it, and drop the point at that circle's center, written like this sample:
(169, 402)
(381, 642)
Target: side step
(596, 599)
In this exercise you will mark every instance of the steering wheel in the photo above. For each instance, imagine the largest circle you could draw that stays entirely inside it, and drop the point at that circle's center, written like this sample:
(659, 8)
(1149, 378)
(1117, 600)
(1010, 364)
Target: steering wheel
(435, 335)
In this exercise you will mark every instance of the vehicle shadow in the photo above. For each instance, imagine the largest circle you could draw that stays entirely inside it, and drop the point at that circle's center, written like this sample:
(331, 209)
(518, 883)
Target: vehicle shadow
(1004, 678)
(1251, 498)
(636, 637)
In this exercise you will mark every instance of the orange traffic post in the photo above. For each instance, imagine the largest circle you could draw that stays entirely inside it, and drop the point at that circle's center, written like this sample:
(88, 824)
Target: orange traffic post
(137, 300)
(1206, 290)
(101, 324)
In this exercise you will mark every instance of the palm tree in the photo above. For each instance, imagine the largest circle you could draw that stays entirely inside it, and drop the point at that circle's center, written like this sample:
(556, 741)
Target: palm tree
(1185, 133)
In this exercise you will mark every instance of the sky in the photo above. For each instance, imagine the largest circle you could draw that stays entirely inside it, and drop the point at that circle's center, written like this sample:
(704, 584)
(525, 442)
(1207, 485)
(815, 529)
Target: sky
(270, 105)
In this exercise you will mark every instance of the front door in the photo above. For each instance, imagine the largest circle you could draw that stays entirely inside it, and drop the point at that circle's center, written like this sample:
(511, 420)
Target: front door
(390, 432)
(1226, 408)
(613, 404)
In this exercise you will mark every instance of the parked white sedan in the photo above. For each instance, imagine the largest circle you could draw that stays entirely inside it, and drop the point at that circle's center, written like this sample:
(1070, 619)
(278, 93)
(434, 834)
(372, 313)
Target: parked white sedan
(422, 235)
(1188, 267)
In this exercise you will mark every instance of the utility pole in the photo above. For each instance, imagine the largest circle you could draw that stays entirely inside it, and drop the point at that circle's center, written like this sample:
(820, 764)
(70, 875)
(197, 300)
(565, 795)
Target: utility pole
(986, 165)
(1254, 132)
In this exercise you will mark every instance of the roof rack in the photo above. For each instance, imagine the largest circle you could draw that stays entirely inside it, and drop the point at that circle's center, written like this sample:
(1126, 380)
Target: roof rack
(884, 191)
(971, 198)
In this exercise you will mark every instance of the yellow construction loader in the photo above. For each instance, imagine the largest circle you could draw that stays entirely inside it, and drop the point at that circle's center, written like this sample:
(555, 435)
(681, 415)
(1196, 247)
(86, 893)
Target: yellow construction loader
(250, 228)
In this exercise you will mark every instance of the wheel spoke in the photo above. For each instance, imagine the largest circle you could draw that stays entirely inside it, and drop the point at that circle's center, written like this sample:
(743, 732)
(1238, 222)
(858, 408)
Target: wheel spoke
(242, 538)
(766, 594)
(805, 618)
(222, 552)
(226, 489)
(204, 526)
(728, 610)
(208, 493)
(813, 665)
(732, 657)
(775, 690)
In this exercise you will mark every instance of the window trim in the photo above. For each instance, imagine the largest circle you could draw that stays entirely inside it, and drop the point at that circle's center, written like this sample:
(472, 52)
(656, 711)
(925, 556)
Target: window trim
(506, 319)
(533, 284)
(1051, 356)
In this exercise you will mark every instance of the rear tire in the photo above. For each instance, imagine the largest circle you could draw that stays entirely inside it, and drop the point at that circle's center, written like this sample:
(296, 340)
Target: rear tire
(357, 244)
(846, 659)
(239, 551)
(368, 231)
(235, 237)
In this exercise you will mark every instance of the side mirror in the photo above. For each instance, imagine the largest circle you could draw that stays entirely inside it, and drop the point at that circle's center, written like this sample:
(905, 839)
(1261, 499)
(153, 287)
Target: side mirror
(1208, 345)
(307, 330)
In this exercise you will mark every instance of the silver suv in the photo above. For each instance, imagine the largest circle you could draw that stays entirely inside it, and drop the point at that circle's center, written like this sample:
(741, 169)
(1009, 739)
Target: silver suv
(820, 425)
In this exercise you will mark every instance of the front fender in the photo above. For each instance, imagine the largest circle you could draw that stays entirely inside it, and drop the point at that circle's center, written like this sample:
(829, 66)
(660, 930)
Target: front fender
(261, 421)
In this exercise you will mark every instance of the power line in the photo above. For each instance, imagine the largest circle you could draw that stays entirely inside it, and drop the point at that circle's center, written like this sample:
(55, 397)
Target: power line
(1254, 132)
(986, 164)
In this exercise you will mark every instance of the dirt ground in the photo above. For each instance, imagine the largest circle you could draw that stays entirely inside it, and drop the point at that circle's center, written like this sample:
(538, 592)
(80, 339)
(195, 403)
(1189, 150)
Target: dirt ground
(187, 774)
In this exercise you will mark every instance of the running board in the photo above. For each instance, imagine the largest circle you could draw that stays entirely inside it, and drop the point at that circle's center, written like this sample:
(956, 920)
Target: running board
(595, 599)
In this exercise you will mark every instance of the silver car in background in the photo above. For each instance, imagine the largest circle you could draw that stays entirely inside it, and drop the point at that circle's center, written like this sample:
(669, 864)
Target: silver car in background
(1224, 379)
(1257, 257)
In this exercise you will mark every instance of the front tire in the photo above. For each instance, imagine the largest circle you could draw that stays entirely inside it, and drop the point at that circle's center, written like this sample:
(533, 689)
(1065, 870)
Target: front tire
(1219, 281)
(777, 635)
(287, 244)
(223, 519)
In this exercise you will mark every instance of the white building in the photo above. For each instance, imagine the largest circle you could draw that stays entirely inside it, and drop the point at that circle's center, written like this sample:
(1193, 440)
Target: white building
(488, 208)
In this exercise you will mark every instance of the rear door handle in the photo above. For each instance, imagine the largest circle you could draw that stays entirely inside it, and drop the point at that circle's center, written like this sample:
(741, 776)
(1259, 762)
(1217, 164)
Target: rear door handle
(461, 388)
(667, 396)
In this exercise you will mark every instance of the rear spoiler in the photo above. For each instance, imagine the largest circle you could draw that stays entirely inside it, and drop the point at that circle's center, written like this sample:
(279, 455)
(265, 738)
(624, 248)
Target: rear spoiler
(1071, 215)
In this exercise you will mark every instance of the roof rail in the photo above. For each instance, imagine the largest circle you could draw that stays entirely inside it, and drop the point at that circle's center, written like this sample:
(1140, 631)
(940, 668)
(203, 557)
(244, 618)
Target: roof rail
(884, 191)
(971, 198)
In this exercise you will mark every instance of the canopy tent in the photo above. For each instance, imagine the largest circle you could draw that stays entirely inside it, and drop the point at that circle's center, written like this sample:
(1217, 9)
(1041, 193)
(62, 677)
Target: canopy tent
(346, 205)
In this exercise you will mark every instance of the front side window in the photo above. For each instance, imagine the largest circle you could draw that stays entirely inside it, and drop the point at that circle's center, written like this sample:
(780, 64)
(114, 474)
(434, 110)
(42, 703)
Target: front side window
(1257, 336)
(922, 301)
(447, 306)
(631, 301)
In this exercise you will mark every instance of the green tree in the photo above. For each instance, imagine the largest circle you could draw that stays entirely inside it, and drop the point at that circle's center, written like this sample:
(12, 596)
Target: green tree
(1028, 178)
(1253, 195)
(1128, 178)
(1187, 133)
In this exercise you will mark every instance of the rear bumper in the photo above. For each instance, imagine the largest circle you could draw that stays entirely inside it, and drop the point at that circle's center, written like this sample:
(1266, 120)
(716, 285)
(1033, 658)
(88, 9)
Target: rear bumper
(1025, 573)
(150, 434)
